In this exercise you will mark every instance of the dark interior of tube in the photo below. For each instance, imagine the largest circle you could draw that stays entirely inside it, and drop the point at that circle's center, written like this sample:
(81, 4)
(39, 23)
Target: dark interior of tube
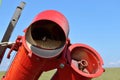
(47, 34)
(85, 55)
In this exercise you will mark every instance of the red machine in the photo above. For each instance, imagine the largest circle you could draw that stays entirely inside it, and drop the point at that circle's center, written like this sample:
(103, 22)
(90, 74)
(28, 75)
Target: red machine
(84, 63)
(46, 46)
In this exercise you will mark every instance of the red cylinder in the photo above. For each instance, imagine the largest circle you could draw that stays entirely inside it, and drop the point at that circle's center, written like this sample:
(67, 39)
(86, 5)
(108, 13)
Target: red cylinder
(24, 66)
(56, 17)
(92, 60)
(84, 64)
(43, 42)
(47, 34)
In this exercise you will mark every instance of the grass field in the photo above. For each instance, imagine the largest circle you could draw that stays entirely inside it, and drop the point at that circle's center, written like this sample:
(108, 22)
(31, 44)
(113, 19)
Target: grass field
(109, 74)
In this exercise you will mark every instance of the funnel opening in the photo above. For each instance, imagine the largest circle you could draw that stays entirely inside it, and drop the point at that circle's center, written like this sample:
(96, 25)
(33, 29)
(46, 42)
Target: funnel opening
(90, 61)
(46, 34)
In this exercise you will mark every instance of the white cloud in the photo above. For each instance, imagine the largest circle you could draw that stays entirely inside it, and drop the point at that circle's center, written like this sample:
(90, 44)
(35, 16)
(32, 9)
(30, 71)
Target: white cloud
(114, 64)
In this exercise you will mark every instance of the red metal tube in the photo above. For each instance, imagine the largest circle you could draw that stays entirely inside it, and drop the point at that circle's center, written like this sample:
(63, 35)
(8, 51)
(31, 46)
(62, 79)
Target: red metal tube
(42, 46)
(84, 64)
(45, 46)
(87, 53)
(48, 32)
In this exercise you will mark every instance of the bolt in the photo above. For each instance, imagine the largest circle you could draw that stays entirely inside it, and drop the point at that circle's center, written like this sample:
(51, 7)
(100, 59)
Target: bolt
(62, 65)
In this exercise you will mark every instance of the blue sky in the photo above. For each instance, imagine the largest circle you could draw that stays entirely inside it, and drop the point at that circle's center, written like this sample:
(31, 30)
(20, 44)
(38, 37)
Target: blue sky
(92, 22)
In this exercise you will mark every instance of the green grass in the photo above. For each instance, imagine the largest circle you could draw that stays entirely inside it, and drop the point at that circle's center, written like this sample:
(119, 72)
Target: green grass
(44, 76)
(109, 74)
(1, 74)
(47, 75)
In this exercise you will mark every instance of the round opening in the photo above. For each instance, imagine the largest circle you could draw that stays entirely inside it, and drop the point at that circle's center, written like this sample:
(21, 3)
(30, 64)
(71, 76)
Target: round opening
(46, 34)
(85, 60)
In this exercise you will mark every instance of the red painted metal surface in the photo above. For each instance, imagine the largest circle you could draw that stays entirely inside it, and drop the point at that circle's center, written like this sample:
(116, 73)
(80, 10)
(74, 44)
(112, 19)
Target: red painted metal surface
(84, 64)
(84, 52)
(47, 23)
(28, 64)
(46, 46)
(56, 17)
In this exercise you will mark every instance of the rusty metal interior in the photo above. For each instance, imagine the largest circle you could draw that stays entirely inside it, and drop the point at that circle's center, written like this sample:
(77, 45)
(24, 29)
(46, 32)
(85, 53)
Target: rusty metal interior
(47, 34)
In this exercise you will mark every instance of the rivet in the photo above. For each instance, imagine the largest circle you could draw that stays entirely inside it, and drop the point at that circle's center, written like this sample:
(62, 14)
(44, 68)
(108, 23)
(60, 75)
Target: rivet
(62, 65)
